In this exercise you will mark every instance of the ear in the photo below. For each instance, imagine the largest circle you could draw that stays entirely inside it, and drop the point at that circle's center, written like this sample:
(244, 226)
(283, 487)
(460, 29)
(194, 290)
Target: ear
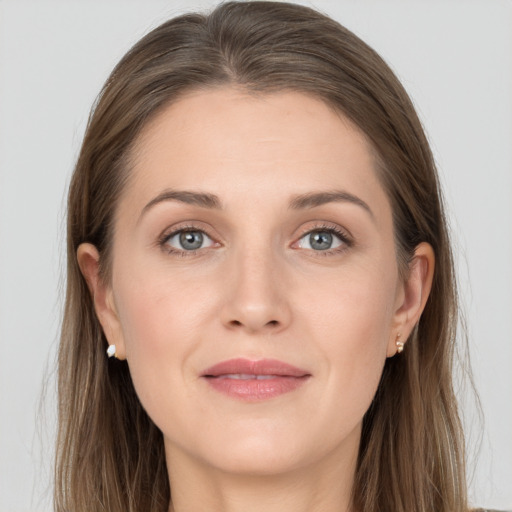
(412, 295)
(89, 262)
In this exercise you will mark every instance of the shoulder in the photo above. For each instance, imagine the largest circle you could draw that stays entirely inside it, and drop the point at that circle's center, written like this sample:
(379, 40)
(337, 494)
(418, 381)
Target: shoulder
(488, 510)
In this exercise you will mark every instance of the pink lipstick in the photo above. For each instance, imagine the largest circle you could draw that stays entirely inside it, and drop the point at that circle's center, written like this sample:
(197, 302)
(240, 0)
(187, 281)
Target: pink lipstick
(255, 380)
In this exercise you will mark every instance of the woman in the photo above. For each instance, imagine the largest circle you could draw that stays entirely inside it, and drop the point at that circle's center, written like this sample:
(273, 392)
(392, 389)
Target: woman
(256, 237)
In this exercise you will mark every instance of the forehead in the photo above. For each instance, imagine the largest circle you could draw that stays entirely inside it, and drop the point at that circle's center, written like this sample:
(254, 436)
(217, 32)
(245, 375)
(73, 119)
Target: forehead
(233, 144)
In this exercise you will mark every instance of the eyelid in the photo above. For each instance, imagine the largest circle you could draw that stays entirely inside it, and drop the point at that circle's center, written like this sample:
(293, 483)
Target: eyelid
(342, 234)
(172, 231)
(176, 234)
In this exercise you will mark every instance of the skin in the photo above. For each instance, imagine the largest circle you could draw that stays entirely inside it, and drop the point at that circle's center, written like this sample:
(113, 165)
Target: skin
(256, 289)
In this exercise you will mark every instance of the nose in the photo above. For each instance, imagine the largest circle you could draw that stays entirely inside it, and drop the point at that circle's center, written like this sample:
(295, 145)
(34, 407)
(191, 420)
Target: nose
(256, 294)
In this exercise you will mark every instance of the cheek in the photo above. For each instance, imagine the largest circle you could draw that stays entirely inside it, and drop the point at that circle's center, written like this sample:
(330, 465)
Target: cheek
(352, 323)
(159, 310)
(356, 307)
(160, 321)
(160, 315)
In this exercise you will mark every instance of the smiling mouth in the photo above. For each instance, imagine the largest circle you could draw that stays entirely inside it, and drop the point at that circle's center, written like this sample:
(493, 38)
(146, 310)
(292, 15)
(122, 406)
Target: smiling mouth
(252, 381)
(245, 376)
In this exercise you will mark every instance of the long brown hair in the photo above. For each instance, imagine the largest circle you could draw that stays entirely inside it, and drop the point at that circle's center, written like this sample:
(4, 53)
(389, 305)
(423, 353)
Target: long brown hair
(109, 453)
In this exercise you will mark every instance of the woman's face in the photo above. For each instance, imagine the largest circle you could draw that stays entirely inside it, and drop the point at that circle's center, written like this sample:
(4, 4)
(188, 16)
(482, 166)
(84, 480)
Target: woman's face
(255, 290)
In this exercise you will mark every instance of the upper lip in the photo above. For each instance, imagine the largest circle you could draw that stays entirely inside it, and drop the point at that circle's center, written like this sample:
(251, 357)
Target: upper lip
(259, 367)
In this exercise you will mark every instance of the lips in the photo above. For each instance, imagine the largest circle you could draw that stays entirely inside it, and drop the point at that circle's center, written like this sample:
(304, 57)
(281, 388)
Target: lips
(248, 380)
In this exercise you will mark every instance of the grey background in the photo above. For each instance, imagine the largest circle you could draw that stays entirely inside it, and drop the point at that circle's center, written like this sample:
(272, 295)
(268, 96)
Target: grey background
(455, 59)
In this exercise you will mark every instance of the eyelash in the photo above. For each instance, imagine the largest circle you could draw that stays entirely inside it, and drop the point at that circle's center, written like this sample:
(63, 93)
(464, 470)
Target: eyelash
(164, 239)
(343, 236)
(346, 239)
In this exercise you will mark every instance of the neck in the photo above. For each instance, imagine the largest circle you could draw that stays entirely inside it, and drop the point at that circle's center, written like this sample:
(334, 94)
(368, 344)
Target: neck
(324, 486)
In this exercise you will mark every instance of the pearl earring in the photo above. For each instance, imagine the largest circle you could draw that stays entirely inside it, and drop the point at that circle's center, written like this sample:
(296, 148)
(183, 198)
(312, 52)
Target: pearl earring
(111, 351)
(399, 344)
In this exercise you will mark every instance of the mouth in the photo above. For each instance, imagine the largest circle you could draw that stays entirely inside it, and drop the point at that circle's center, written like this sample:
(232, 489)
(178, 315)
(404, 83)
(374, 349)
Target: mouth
(248, 380)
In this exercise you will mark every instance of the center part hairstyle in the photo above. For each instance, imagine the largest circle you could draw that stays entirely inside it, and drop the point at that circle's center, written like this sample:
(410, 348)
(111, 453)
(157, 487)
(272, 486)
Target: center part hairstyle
(110, 455)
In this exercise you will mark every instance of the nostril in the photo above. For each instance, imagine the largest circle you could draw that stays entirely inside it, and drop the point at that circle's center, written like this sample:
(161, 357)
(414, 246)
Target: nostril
(270, 323)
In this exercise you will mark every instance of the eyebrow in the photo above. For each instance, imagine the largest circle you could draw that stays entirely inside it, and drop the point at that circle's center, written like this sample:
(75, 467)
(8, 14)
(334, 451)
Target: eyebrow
(201, 199)
(314, 199)
(301, 202)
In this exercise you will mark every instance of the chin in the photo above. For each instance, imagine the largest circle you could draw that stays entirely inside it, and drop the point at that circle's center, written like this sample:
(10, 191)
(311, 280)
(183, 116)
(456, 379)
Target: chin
(266, 449)
(258, 458)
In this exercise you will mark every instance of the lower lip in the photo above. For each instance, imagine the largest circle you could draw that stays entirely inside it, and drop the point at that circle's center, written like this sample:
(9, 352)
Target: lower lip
(254, 390)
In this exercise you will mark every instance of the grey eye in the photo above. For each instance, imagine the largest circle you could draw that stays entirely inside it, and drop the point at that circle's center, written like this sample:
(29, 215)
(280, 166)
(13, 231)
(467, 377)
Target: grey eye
(188, 240)
(320, 240)
(191, 240)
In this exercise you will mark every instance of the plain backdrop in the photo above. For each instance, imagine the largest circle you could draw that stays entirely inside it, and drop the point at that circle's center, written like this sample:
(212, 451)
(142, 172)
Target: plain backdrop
(455, 59)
